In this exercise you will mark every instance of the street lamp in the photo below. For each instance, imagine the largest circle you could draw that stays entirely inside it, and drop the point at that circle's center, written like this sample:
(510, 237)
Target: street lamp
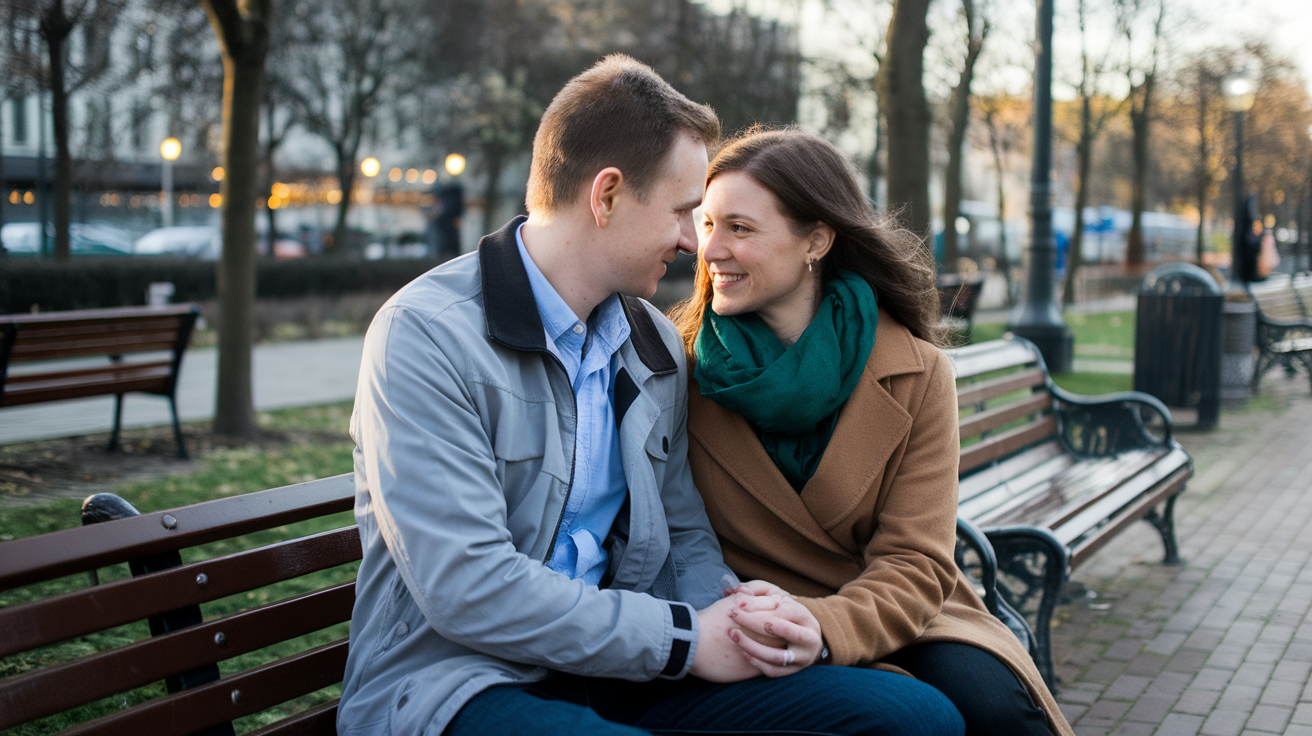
(455, 163)
(370, 167)
(1239, 89)
(170, 149)
(1037, 318)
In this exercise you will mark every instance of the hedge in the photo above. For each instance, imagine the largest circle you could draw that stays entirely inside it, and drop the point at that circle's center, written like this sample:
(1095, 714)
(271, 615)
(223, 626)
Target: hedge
(90, 283)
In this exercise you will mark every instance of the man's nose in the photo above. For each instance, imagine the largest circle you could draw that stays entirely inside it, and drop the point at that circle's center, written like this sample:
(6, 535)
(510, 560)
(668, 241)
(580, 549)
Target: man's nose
(687, 236)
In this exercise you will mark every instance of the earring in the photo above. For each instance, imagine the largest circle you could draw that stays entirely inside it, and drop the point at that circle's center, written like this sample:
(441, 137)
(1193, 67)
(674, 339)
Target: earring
(810, 266)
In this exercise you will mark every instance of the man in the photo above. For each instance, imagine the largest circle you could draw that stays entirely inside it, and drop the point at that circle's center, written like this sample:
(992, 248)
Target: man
(534, 550)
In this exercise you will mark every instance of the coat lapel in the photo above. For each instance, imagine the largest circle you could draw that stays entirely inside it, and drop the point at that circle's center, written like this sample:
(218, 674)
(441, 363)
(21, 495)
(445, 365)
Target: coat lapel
(871, 426)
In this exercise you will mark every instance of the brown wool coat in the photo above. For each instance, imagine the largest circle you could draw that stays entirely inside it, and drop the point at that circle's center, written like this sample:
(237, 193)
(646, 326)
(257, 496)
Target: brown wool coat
(869, 540)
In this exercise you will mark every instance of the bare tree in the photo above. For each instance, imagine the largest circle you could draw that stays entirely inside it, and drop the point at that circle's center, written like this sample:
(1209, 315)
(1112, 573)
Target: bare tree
(1095, 111)
(242, 27)
(905, 109)
(65, 75)
(1006, 124)
(19, 63)
(977, 29)
(347, 59)
(1141, 103)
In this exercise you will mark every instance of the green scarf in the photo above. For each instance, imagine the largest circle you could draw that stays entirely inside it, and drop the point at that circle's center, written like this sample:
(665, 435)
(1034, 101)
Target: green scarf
(791, 396)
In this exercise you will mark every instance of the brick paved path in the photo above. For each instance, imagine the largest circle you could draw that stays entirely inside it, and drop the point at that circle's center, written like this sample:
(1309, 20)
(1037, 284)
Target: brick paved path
(1221, 645)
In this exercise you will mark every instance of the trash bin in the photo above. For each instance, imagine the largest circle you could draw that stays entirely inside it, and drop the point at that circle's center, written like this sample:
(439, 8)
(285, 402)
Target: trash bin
(1177, 339)
(1238, 341)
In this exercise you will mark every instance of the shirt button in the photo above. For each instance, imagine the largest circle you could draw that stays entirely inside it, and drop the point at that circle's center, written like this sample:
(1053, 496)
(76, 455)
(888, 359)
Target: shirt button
(402, 629)
(578, 329)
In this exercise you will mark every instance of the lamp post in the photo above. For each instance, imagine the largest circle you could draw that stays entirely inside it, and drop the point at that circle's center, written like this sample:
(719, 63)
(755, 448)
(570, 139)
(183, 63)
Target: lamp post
(1239, 89)
(1037, 318)
(455, 163)
(170, 149)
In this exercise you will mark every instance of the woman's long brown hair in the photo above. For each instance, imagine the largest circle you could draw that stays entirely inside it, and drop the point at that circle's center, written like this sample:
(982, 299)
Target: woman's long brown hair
(813, 182)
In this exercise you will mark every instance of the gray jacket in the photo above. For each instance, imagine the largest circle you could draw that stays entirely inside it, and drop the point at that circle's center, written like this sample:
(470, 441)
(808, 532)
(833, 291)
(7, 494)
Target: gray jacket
(464, 427)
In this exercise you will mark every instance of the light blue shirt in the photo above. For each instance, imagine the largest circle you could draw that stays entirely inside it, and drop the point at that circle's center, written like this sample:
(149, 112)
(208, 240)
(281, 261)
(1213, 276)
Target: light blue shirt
(588, 354)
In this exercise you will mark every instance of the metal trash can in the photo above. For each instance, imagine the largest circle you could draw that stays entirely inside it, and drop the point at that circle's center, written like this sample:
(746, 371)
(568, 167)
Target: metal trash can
(1238, 341)
(1177, 339)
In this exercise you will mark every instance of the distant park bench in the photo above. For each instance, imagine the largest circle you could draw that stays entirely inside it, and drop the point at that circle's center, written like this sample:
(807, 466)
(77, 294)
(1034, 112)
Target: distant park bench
(95, 333)
(1284, 323)
(958, 296)
(1050, 477)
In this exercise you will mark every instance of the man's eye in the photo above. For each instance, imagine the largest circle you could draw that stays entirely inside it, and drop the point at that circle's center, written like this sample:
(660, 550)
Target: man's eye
(738, 228)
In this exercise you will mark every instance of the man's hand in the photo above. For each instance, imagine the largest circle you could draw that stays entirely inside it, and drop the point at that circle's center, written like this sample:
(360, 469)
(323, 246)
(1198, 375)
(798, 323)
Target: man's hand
(778, 635)
(718, 657)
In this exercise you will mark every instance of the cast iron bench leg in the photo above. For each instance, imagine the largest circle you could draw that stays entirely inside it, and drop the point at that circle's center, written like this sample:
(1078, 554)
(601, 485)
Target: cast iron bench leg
(107, 507)
(177, 428)
(118, 422)
(1164, 523)
(1015, 548)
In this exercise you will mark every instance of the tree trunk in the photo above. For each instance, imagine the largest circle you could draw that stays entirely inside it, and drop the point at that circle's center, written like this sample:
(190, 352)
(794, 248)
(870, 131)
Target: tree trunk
(1140, 124)
(270, 145)
(345, 180)
(875, 170)
(56, 28)
(1004, 260)
(243, 82)
(956, 141)
(1075, 250)
(902, 103)
(493, 161)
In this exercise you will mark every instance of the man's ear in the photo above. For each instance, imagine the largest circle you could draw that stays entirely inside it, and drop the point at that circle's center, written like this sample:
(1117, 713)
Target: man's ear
(819, 242)
(604, 196)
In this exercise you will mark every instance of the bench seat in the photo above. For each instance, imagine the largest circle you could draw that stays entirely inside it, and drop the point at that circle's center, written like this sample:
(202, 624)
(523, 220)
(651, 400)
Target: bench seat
(1284, 324)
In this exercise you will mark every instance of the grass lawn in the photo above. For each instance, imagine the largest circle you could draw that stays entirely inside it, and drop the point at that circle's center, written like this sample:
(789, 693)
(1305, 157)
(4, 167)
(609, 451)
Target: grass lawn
(225, 472)
(1108, 336)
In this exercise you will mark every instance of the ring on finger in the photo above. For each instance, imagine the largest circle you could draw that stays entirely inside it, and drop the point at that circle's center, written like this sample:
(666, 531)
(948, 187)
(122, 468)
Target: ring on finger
(788, 657)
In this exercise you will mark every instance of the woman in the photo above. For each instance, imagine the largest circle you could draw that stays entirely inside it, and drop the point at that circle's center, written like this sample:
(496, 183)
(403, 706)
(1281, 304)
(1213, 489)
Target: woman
(823, 427)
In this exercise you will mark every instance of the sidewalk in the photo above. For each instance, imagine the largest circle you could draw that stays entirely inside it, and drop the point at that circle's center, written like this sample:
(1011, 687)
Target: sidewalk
(305, 373)
(1221, 645)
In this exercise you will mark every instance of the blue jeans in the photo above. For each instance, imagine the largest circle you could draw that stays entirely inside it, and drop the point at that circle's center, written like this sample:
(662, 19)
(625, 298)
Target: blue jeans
(839, 701)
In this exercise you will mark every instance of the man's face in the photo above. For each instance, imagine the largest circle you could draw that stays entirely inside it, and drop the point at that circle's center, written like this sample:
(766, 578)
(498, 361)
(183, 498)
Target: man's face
(647, 235)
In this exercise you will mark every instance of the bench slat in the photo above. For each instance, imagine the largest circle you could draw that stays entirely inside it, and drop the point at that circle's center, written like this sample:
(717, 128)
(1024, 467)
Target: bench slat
(974, 360)
(1051, 502)
(228, 699)
(24, 561)
(1008, 442)
(111, 379)
(975, 393)
(111, 314)
(94, 609)
(995, 475)
(317, 721)
(1085, 547)
(54, 689)
(1105, 507)
(984, 421)
(1020, 485)
(25, 351)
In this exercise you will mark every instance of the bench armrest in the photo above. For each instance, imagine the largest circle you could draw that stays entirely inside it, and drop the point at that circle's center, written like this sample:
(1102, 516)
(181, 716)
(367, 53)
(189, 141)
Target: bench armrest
(973, 538)
(1107, 424)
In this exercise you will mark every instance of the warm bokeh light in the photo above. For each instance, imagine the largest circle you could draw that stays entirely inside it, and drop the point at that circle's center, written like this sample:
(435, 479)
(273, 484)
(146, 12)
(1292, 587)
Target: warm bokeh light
(412, 176)
(334, 196)
(170, 149)
(216, 200)
(430, 176)
(184, 200)
(370, 167)
(275, 202)
(395, 174)
(15, 197)
(455, 163)
(217, 174)
(280, 190)
(29, 198)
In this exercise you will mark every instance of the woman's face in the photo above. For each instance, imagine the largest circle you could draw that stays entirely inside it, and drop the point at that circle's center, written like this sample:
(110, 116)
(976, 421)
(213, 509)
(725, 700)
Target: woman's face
(757, 263)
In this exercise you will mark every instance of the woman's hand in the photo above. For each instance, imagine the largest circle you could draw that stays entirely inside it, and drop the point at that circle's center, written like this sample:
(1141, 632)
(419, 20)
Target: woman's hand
(718, 657)
(778, 635)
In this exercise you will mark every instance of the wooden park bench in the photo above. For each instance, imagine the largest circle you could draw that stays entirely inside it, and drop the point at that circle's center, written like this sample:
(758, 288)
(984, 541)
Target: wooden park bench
(179, 647)
(958, 295)
(1284, 323)
(96, 333)
(1050, 477)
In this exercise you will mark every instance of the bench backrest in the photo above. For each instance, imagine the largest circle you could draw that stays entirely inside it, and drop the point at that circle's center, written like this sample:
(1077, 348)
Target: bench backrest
(1283, 297)
(95, 332)
(251, 684)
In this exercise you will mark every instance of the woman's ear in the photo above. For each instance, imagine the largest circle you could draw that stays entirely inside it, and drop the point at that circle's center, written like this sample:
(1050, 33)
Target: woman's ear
(604, 195)
(819, 242)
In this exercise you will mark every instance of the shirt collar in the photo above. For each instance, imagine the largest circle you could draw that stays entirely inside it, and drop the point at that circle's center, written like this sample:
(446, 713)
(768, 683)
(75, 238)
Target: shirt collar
(556, 315)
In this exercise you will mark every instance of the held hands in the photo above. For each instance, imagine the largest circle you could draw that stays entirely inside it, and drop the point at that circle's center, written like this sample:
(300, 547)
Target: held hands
(756, 629)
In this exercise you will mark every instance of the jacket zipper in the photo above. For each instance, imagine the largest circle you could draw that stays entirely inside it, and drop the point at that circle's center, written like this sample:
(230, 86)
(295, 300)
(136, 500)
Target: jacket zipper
(573, 459)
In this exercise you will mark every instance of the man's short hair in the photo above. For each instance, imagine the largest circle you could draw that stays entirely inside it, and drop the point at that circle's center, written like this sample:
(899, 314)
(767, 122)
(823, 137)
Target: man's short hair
(618, 113)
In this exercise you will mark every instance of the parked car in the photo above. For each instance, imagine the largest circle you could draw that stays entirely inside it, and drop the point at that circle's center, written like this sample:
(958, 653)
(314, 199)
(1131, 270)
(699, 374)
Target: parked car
(189, 241)
(85, 239)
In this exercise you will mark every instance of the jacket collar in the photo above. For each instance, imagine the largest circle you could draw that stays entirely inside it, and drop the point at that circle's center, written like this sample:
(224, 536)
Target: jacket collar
(512, 315)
